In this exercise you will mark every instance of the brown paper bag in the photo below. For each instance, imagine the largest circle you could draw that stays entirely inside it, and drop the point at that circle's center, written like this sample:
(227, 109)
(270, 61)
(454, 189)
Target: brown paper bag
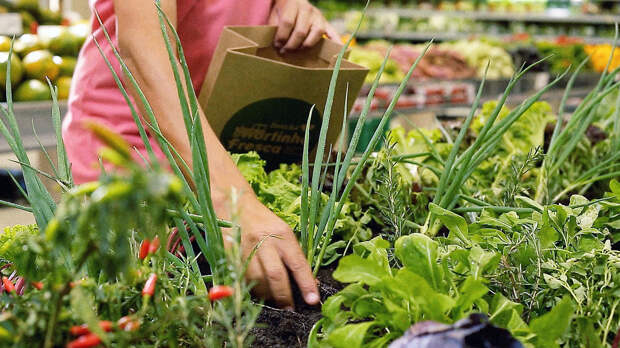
(258, 100)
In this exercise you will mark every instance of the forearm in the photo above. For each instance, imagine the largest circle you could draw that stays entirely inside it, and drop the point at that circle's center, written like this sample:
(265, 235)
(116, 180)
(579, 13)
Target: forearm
(148, 60)
(164, 100)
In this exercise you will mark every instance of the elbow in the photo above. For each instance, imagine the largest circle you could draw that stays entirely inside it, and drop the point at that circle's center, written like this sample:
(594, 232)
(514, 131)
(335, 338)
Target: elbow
(129, 56)
(126, 50)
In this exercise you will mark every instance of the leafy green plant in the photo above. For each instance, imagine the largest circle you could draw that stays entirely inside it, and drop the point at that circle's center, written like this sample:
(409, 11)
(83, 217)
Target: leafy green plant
(317, 225)
(566, 138)
(527, 272)
(82, 255)
(394, 197)
(459, 167)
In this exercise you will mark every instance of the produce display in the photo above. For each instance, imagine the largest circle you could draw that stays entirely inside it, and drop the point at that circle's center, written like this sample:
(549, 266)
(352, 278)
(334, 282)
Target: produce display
(564, 53)
(52, 54)
(479, 53)
(32, 14)
(466, 59)
(501, 6)
(47, 50)
(389, 21)
(501, 231)
(599, 56)
(450, 61)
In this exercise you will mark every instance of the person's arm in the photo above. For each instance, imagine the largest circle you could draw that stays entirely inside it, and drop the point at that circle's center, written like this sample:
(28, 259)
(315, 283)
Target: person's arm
(143, 49)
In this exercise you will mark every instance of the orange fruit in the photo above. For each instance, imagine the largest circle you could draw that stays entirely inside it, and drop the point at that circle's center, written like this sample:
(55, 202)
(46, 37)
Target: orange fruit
(32, 90)
(40, 65)
(64, 86)
(65, 43)
(16, 69)
(27, 43)
(66, 65)
(5, 43)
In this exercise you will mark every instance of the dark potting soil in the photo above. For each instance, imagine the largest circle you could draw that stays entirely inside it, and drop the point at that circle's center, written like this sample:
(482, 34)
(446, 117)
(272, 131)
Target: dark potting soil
(278, 328)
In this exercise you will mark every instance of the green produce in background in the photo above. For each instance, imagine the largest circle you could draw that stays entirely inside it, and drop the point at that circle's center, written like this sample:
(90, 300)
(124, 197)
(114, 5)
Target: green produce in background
(16, 69)
(27, 21)
(5, 43)
(49, 17)
(562, 55)
(372, 60)
(80, 31)
(478, 53)
(66, 65)
(27, 5)
(27, 43)
(64, 86)
(40, 65)
(32, 90)
(65, 43)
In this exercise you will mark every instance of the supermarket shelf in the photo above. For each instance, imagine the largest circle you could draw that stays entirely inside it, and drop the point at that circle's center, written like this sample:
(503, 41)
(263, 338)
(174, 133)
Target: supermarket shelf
(443, 36)
(39, 116)
(501, 16)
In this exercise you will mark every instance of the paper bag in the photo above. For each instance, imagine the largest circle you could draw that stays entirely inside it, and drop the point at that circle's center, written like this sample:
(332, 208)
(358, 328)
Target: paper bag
(258, 100)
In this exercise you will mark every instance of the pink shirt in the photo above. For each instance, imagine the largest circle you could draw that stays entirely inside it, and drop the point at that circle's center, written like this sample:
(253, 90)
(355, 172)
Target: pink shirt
(95, 96)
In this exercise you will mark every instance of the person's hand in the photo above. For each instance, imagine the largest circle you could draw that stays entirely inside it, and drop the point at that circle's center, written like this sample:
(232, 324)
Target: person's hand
(278, 251)
(300, 25)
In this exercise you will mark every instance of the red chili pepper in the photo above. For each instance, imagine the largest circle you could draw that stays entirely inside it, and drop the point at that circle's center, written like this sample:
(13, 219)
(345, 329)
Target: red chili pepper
(149, 286)
(219, 292)
(80, 330)
(8, 285)
(154, 245)
(127, 323)
(86, 341)
(144, 249)
(34, 28)
(37, 285)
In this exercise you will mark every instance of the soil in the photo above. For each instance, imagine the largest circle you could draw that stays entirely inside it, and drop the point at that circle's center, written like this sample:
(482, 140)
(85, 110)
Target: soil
(278, 328)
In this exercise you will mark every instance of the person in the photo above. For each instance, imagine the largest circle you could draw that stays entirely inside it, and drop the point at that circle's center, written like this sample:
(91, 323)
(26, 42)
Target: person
(134, 28)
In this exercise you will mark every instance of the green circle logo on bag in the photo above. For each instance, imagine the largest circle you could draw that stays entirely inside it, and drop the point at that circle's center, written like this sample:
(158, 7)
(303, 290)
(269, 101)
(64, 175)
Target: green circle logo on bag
(275, 128)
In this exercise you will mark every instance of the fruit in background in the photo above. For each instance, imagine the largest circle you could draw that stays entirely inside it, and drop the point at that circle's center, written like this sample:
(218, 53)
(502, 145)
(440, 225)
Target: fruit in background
(32, 90)
(49, 17)
(31, 6)
(40, 65)
(64, 86)
(28, 43)
(66, 65)
(373, 60)
(65, 43)
(81, 31)
(478, 53)
(599, 56)
(5, 43)
(28, 21)
(16, 69)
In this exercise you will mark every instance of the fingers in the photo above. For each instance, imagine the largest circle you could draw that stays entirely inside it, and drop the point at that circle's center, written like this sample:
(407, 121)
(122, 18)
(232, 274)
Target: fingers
(302, 28)
(316, 33)
(300, 25)
(255, 275)
(276, 276)
(287, 17)
(299, 267)
(332, 33)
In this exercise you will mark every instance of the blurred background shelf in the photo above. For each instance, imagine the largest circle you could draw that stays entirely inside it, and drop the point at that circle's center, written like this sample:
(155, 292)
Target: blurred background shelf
(443, 36)
(563, 17)
(37, 115)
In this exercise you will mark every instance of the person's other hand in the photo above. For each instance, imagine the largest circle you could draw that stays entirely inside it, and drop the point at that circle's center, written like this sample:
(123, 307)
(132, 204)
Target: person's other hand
(278, 250)
(300, 25)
